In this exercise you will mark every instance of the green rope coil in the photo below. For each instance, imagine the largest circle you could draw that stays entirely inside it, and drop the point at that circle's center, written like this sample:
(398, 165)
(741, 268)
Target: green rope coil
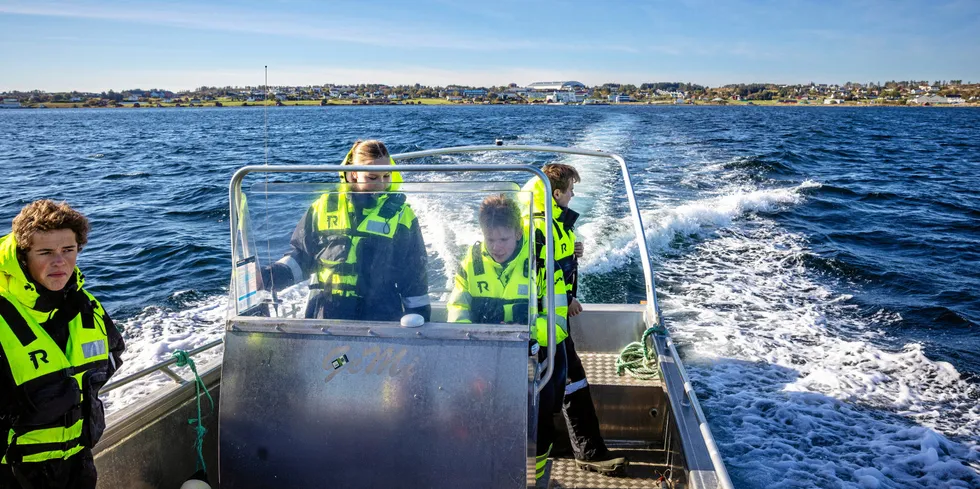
(184, 360)
(638, 360)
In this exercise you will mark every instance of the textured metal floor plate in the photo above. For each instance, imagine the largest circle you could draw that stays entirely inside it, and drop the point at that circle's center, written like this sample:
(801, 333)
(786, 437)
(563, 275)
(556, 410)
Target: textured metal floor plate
(645, 470)
(600, 368)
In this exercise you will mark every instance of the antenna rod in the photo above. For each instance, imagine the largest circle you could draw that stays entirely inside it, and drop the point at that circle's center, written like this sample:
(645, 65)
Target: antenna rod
(265, 104)
(268, 243)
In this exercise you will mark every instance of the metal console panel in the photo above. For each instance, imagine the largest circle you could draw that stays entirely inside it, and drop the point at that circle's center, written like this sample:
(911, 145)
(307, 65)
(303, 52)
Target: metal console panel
(315, 403)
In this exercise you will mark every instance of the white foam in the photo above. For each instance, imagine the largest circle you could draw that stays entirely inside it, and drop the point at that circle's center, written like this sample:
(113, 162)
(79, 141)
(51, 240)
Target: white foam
(594, 195)
(154, 334)
(800, 395)
(614, 244)
(448, 225)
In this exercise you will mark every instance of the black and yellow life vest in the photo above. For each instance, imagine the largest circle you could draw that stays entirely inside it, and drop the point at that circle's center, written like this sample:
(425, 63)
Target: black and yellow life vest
(338, 262)
(562, 235)
(54, 418)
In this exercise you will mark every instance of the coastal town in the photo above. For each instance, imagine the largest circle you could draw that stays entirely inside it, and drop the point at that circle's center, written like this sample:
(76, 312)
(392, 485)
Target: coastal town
(893, 93)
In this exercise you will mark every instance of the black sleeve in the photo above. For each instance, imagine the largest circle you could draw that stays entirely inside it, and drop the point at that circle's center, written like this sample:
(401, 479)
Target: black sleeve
(411, 265)
(304, 245)
(7, 387)
(116, 344)
(572, 279)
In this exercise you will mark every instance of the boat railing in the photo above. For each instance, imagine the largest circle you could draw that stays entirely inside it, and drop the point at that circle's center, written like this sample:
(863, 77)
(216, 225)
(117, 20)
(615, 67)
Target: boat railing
(162, 367)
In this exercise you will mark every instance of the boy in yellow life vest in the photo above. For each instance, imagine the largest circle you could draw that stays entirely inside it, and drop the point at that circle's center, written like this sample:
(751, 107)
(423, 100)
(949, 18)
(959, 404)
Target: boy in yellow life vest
(578, 409)
(58, 347)
(493, 286)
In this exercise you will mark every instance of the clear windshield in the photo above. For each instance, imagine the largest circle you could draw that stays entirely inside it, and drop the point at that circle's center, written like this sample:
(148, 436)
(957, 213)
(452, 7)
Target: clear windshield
(311, 249)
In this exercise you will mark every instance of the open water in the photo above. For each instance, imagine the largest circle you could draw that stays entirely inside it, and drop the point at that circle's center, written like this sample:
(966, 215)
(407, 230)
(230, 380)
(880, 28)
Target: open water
(819, 267)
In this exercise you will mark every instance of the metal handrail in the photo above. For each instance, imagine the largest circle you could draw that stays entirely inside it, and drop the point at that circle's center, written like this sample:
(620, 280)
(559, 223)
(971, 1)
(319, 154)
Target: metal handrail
(163, 367)
(235, 191)
(709, 439)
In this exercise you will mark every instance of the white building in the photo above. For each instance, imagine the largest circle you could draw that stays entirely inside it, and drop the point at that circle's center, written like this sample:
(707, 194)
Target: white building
(567, 97)
(10, 103)
(620, 98)
(556, 86)
(929, 99)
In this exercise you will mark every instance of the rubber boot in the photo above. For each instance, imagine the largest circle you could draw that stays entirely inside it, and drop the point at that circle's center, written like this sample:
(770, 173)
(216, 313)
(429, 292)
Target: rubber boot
(606, 463)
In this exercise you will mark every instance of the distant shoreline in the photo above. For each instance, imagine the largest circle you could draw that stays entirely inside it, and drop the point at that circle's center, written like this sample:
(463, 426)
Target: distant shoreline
(212, 105)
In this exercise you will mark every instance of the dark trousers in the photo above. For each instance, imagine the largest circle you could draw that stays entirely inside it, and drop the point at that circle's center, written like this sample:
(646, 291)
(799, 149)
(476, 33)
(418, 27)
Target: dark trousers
(549, 401)
(579, 411)
(78, 472)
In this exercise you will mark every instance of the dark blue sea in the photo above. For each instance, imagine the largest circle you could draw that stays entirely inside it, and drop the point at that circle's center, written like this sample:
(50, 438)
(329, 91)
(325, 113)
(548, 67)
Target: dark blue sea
(818, 267)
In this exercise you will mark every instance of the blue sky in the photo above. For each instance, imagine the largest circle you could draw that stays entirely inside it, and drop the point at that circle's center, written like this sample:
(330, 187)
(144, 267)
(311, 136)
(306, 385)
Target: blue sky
(95, 46)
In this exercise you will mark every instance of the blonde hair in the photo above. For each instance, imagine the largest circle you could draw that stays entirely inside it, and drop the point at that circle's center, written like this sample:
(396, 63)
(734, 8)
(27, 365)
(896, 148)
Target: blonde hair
(499, 211)
(45, 215)
(366, 151)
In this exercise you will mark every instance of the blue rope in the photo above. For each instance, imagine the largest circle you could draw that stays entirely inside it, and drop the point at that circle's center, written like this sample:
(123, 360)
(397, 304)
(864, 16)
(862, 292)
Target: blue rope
(183, 360)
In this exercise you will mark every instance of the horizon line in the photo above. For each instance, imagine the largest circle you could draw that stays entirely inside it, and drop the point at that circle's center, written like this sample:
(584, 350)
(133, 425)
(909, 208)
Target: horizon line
(507, 85)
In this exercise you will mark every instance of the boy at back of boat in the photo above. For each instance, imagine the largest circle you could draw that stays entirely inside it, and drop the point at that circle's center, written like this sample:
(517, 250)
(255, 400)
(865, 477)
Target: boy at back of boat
(588, 446)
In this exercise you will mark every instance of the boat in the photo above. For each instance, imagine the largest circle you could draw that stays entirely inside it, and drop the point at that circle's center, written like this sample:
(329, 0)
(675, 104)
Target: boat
(305, 402)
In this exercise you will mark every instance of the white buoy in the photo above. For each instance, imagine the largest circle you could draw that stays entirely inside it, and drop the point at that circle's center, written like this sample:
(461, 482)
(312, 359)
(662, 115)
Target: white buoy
(195, 484)
(197, 481)
(412, 320)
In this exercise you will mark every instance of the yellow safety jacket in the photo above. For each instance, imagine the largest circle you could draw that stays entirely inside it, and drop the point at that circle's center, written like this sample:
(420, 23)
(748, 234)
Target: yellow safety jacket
(562, 234)
(60, 412)
(489, 292)
(338, 270)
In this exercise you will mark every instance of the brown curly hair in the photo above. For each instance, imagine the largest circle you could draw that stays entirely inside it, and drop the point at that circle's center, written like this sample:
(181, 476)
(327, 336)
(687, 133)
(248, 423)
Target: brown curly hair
(45, 215)
(561, 175)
